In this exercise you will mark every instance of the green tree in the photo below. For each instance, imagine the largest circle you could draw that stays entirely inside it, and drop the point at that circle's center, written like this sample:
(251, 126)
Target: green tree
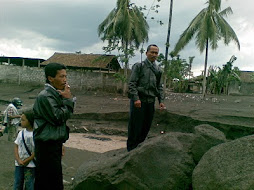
(214, 84)
(177, 72)
(208, 27)
(219, 79)
(125, 28)
(178, 68)
(155, 9)
(229, 74)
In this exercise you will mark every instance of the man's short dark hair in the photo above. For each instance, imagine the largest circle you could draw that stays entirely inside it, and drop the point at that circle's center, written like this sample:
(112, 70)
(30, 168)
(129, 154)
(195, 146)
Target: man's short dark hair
(148, 47)
(52, 68)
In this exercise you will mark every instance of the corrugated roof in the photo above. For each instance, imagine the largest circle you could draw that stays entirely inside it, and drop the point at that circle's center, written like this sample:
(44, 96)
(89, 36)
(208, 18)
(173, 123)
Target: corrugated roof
(32, 62)
(83, 60)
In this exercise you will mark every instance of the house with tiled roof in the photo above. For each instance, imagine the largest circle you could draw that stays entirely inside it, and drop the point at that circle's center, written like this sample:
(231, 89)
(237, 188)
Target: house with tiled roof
(92, 62)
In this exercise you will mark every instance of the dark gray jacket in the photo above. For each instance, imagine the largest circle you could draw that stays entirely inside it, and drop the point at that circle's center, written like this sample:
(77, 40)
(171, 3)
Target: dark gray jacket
(51, 110)
(145, 82)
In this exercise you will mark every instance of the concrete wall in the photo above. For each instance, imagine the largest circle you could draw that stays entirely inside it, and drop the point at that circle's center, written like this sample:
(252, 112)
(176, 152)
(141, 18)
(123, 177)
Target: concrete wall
(246, 76)
(247, 88)
(241, 88)
(78, 79)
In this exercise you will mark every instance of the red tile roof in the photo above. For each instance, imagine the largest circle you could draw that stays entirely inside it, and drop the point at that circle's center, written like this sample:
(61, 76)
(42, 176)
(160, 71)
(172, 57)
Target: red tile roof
(92, 61)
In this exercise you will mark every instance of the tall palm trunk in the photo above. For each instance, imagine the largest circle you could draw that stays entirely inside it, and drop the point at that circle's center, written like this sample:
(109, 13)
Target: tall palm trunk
(126, 77)
(167, 46)
(205, 68)
(125, 69)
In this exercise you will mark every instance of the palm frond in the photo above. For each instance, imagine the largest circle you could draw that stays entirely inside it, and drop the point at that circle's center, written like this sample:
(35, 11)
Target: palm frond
(226, 31)
(188, 34)
(236, 76)
(213, 32)
(106, 23)
(202, 33)
(125, 24)
(226, 12)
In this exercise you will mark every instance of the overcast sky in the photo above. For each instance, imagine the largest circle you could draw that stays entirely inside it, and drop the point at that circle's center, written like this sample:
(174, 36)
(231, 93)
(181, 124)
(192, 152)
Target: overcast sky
(39, 28)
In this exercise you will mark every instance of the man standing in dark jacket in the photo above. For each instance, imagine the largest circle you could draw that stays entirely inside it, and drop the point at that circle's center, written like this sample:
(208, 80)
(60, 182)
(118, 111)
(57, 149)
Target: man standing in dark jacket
(52, 108)
(144, 86)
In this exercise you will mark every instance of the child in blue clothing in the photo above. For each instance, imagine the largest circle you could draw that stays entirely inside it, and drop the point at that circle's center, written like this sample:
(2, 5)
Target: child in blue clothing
(24, 154)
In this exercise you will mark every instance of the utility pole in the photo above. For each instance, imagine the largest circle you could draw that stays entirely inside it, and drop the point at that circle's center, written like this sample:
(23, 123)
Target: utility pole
(167, 45)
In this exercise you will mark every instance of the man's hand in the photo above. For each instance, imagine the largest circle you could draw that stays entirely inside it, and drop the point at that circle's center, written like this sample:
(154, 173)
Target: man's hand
(137, 104)
(66, 93)
(162, 106)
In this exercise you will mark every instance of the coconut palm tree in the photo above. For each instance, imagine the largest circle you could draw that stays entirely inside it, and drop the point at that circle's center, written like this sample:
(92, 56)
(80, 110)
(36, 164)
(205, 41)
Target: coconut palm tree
(124, 28)
(208, 27)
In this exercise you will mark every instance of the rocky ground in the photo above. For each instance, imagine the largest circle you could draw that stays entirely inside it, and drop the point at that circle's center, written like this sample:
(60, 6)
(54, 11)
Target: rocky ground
(99, 123)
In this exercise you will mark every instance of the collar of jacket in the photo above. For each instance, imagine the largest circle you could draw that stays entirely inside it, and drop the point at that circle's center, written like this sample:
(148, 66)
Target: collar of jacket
(49, 85)
(52, 89)
(149, 63)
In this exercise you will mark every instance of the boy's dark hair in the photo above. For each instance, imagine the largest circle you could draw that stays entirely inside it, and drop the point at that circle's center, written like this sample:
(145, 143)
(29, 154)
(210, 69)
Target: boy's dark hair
(30, 116)
(52, 68)
(148, 47)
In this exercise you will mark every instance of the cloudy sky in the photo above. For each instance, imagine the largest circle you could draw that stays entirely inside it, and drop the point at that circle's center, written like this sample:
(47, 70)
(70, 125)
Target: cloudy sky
(39, 28)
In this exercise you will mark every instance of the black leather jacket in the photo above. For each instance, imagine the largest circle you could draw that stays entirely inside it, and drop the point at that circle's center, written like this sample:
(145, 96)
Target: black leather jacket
(145, 82)
(51, 109)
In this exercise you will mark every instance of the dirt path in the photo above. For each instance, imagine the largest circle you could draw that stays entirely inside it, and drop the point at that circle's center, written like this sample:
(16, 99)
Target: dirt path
(102, 118)
(226, 109)
(95, 143)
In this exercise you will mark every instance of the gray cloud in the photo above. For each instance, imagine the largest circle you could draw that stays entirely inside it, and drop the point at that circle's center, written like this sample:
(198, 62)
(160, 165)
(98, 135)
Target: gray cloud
(72, 26)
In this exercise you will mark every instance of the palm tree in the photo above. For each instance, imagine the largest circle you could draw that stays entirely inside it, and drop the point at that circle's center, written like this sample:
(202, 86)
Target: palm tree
(209, 26)
(124, 28)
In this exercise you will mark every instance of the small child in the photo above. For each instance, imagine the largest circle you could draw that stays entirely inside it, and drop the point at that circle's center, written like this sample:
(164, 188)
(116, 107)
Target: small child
(24, 154)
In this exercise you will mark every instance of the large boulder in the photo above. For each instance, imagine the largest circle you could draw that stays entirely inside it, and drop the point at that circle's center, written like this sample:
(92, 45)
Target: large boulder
(162, 162)
(227, 166)
(206, 136)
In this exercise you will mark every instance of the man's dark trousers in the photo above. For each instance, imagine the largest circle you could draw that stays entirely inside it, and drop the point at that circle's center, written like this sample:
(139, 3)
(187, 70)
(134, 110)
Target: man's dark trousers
(48, 171)
(139, 123)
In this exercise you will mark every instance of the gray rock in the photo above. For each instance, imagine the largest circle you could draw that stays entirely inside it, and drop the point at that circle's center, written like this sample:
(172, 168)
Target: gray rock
(238, 101)
(206, 136)
(227, 166)
(162, 162)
